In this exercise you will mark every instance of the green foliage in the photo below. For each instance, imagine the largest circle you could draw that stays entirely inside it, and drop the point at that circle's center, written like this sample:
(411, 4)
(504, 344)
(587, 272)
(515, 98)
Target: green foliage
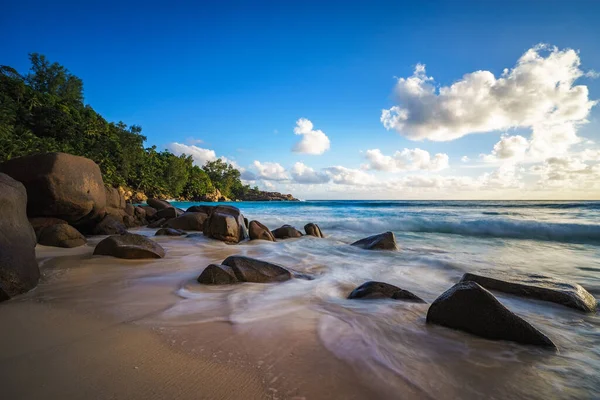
(43, 111)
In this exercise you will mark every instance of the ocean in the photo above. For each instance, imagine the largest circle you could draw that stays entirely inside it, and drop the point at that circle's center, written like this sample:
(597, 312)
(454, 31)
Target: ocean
(439, 242)
(386, 342)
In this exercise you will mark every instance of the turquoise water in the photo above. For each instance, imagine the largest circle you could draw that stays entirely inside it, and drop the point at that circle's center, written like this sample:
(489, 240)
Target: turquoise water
(439, 242)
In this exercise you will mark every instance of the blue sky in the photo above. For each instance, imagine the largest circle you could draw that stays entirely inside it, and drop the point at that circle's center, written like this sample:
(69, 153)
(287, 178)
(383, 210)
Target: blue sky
(238, 75)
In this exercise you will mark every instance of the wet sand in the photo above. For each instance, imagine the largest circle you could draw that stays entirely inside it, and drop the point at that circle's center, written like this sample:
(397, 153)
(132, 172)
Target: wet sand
(92, 329)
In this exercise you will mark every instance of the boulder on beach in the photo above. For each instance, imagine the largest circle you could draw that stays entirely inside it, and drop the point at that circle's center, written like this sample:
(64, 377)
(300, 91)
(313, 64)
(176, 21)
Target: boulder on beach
(61, 235)
(286, 232)
(202, 208)
(158, 204)
(258, 231)
(19, 271)
(226, 223)
(129, 245)
(537, 287)
(167, 213)
(150, 212)
(382, 290)
(469, 307)
(130, 209)
(382, 241)
(158, 223)
(190, 221)
(235, 269)
(39, 223)
(115, 200)
(60, 185)
(109, 225)
(313, 230)
(169, 232)
(139, 212)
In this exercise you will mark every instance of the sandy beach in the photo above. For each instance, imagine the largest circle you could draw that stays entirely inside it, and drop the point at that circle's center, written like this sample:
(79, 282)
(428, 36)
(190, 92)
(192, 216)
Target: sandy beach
(88, 332)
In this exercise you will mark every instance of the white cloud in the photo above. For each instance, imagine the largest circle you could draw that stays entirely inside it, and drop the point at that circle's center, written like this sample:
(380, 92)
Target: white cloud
(348, 176)
(465, 159)
(538, 93)
(200, 155)
(313, 141)
(270, 171)
(508, 148)
(406, 160)
(302, 173)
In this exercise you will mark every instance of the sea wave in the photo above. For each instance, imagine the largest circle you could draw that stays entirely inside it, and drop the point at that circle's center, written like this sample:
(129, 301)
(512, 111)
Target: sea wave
(499, 228)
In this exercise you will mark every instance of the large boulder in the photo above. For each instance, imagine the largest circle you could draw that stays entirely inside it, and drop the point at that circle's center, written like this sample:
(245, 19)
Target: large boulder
(243, 269)
(19, 271)
(150, 212)
(130, 246)
(382, 241)
(202, 208)
(382, 290)
(168, 213)
(158, 204)
(469, 307)
(313, 230)
(226, 223)
(114, 198)
(39, 223)
(158, 223)
(286, 232)
(109, 225)
(61, 235)
(190, 221)
(60, 185)
(537, 287)
(258, 231)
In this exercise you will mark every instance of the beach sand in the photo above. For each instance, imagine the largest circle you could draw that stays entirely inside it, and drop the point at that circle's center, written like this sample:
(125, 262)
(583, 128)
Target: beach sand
(92, 330)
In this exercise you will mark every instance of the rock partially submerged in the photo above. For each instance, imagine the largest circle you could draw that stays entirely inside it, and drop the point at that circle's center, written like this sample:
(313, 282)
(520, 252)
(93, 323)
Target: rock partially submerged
(190, 221)
(258, 231)
(39, 223)
(286, 232)
(61, 235)
(226, 223)
(538, 287)
(19, 271)
(169, 232)
(313, 230)
(109, 226)
(382, 241)
(382, 290)
(236, 269)
(469, 307)
(131, 246)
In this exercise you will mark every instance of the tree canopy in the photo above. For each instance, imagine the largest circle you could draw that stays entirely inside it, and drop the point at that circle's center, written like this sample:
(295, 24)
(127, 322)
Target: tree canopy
(44, 111)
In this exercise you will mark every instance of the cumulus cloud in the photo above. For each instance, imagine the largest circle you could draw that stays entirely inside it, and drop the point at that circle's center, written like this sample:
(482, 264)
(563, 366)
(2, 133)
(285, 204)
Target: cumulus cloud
(465, 159)
(348, 176)
(270, 171)
(313, 141)
(302, 173)
(406, 160)
(508, 148)
(200, 155)
(537, 93)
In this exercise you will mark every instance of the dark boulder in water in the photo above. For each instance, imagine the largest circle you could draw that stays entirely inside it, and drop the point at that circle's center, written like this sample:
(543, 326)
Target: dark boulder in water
(313, 230)
(60, 185)
(258, 231)
(226, 223)
(129, 245)
(286, 232)
(469, 307)
(382, 290)
(61, 235)
(235, 269)
(190, 221)
(19, 271)
(382, 241)
(158, 204)
(537, 287)
(169, 232)
(168, 213)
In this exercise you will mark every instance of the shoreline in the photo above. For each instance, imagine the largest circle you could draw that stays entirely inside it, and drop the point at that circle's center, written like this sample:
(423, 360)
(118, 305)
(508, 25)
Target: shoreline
(77, 346)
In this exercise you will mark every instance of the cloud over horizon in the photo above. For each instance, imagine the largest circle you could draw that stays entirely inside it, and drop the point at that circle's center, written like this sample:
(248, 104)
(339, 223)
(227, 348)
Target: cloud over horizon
(313, 141)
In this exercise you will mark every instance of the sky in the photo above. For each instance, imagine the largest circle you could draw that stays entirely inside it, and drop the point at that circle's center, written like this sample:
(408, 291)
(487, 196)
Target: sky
(344, 100)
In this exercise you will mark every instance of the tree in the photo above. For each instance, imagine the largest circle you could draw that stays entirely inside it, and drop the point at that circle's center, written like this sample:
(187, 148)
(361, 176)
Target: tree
(223, 176)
